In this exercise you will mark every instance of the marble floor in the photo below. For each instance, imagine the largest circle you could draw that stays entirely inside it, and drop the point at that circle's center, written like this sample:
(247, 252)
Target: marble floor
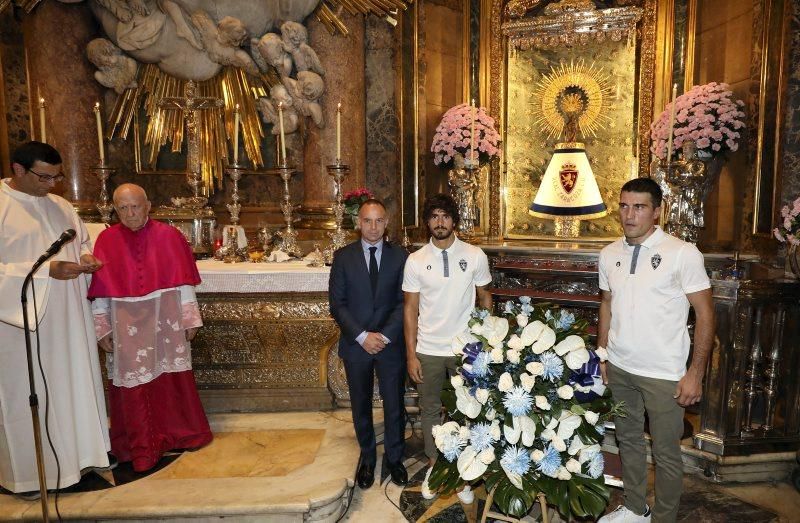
(299, 467)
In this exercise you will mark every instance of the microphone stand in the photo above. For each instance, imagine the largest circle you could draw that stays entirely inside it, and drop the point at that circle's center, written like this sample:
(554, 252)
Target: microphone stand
(33, 398)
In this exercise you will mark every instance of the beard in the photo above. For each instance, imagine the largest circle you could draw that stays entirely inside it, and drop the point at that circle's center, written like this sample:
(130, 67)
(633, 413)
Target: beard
(440, 233)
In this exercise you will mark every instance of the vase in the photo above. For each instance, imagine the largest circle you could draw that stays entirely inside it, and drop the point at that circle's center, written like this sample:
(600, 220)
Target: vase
(465, 184)
(793, 259)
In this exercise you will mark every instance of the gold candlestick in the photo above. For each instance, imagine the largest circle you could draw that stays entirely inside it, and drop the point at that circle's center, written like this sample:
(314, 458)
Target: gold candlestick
(338, 237)
(235, 171)
(104, 206)
(288, 243)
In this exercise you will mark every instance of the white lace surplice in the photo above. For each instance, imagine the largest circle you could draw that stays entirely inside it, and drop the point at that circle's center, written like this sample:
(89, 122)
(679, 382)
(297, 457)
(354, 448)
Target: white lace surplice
(148, 333)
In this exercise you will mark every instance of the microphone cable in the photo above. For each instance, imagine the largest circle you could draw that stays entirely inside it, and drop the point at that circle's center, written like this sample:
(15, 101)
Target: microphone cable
(46, 404)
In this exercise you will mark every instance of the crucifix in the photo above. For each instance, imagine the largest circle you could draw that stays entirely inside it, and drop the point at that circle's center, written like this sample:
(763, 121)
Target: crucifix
(191, 105)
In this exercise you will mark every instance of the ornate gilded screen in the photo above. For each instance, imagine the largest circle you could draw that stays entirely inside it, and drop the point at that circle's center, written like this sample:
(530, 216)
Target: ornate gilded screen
(571, 47)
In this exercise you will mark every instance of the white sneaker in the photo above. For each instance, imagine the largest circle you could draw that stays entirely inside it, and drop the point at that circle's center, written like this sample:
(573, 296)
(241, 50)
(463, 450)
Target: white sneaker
(466, 496)
(624, 515)
(427, 493)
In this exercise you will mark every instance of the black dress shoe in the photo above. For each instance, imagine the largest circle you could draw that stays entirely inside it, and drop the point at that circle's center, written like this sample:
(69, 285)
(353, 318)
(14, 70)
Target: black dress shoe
(365, 476)
(398, 472)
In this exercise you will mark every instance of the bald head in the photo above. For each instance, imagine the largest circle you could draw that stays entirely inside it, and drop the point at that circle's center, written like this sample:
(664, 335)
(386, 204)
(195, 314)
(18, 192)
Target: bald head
(132, 206)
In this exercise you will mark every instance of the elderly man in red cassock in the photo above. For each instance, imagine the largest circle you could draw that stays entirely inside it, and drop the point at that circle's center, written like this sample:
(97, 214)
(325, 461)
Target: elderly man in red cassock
(145, 314)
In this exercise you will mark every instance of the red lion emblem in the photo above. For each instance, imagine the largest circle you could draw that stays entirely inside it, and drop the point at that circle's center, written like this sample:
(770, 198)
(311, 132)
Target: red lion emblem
(568, 176)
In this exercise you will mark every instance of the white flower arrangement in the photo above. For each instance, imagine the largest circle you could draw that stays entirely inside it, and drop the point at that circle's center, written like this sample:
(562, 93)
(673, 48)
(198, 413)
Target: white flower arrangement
(527, 412)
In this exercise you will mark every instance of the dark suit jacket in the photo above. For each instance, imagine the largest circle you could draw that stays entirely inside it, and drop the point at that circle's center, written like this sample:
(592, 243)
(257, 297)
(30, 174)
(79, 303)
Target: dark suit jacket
(352, 304)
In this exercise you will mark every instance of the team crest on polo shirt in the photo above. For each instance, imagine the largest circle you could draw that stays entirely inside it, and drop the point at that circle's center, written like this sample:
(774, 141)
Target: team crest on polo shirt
(463, 264)
(655, 260)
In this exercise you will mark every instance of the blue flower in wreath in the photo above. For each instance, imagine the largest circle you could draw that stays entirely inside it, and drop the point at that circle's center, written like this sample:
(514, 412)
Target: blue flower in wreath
(553, 366)
(526, 307)
(480, 314)
(480, 367)
(550, 462)
(516, 460)
(517, 401)
(509, 307)
(596, 465)
(563, 322)
(480, 436)
(452, 446)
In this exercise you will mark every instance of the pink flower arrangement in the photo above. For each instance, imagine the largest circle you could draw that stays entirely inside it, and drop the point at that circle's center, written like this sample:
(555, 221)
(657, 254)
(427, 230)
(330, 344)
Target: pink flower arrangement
(453, 135)
(706, 114)
(789, 230)
(352, 201)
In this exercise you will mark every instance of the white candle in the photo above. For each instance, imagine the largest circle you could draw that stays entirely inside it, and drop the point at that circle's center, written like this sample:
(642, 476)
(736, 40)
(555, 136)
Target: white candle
(100, 145)
(339, 133)
(671, 122)
(283, 138)
(42, 128)
(472, 132)
(633, 168)
(236, 135)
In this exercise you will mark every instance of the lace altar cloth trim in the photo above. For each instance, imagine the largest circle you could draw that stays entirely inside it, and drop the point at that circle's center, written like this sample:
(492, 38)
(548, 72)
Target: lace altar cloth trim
(293, 276)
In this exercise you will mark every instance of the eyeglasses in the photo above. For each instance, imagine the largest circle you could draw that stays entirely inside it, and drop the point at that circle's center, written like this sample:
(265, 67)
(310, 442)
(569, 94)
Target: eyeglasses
(47, 178)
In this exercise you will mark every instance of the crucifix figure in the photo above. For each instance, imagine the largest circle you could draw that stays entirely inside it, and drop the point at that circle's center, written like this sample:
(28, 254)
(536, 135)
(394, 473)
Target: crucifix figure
(191, 105)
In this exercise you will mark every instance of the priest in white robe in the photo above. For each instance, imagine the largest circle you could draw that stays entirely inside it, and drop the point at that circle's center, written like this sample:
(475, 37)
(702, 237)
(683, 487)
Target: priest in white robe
(30, 221)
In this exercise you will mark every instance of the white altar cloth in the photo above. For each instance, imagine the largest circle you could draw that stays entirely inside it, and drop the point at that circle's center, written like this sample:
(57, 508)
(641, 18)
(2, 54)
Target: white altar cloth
(293, 276)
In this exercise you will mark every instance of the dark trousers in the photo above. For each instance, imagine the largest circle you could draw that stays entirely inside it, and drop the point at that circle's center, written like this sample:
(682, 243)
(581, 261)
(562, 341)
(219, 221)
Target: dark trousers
(360, 381)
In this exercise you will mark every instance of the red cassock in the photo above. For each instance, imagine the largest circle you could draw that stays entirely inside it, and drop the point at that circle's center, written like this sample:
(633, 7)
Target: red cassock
(164, 414)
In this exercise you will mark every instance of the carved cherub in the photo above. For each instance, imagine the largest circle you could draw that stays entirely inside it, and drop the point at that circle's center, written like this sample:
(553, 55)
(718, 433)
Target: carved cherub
(269, 51)
(115, 70)
(306, 91)
(269, 108)
(126, 10)
(295, 42)
(222, 41)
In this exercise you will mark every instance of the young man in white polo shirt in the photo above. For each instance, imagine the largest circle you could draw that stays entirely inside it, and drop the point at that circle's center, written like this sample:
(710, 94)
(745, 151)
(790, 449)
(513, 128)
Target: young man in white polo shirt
(648, 280)
(440, 283)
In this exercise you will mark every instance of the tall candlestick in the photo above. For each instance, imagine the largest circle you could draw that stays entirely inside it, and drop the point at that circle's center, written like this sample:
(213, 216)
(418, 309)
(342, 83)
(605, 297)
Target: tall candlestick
(472, 132)
(100, 145)
(671, 122)
(633, 168)
(339, 133)
(283, 138)
(236, 136)
(42, 127)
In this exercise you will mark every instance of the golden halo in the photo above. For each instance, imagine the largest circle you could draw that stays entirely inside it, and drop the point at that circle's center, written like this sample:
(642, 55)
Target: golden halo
(572, 91)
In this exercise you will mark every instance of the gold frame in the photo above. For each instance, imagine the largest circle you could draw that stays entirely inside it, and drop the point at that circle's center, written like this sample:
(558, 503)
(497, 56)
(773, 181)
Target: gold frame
(647, 36)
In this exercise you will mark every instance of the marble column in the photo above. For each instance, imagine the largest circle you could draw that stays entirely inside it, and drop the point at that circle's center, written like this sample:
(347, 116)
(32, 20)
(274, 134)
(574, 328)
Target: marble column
(55, 36)
(343, 58)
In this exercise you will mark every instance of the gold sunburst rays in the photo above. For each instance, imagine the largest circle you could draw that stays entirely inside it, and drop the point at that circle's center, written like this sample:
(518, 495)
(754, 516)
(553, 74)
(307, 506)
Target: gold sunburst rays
(328, 11)
(572, 94)
(232, 86)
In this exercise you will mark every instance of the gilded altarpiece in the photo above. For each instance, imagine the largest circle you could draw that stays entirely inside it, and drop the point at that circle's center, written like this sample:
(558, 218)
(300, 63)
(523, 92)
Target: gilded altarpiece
(528, 148)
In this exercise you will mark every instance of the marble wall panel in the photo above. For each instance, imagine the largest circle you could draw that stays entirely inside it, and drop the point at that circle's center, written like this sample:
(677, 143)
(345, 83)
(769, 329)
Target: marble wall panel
(791, 146)
(15, 89)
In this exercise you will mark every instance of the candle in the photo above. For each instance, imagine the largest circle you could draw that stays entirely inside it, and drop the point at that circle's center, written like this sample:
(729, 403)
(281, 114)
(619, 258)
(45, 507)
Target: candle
(633, 168)
(338, 133)
(671, 122)
(472, 132)
(283, 138)
(100, 133)
(236, 136)
(42, 128)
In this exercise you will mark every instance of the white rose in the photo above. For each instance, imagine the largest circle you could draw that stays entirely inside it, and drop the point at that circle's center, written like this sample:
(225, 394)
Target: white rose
(491, 414)
(558, 444)
(576, 358)
(591, 417)
(514, 342)
(569, 344)
(522, 320)
(573, 466)
(541, 403)
(482, 395)
(536, 368)
(563, 474)
(537, 455)
(505, 383)
(486, 456)
(602, 353)
(513, 356)
(527, 381)
(496, 355)
(565, 392)
(457, 381)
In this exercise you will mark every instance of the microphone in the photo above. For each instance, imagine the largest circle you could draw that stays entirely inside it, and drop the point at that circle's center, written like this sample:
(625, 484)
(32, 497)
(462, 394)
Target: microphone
(66, 237)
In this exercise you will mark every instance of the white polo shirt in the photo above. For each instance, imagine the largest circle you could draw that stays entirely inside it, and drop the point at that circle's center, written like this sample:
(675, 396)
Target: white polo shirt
(649, 309)
(446, 286)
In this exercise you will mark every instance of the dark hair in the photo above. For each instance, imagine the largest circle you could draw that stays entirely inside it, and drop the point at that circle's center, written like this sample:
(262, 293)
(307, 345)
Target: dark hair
(441, 201)
(372, 201)
(29, 153)
(647, 185)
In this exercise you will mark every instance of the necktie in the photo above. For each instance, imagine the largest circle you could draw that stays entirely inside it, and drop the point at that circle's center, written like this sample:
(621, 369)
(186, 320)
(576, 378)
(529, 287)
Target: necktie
(446, 264)
(373, 269)
(635, 257)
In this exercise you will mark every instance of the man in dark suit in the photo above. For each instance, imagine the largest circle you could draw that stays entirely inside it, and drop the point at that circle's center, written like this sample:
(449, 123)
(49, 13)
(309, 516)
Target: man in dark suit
(366, 300)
